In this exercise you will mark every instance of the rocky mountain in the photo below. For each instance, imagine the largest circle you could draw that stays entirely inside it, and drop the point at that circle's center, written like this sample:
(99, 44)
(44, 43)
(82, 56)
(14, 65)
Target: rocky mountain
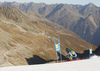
(25, 6)
(23, 38)
(82, 20)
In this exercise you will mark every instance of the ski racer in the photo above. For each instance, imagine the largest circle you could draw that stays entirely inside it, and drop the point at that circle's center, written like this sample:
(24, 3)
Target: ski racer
(71, 54)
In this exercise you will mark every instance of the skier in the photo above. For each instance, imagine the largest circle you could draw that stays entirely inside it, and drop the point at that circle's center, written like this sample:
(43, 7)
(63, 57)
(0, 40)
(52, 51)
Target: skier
(71, 54)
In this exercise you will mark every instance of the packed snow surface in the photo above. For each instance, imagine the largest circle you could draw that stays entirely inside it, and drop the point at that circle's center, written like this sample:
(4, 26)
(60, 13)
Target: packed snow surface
(92, 64)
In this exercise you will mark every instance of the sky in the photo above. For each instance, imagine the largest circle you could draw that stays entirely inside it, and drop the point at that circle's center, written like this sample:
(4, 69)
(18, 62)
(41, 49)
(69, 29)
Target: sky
(82, 2)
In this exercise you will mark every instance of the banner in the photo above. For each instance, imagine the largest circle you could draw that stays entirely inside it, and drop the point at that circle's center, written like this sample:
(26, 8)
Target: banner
(57, 47)
(91, 51)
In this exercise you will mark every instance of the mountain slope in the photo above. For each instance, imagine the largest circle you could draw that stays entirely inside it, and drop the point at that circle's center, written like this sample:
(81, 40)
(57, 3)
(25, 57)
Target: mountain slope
(74, 17)
(22, 37)
(82, 20)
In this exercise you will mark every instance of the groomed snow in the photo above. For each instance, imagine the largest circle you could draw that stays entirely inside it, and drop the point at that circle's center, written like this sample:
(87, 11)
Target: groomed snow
(92, 64)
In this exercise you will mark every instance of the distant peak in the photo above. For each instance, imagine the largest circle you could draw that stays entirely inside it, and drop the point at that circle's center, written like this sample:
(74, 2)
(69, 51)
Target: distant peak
(31, 2)
(91, 4)
(14, 2)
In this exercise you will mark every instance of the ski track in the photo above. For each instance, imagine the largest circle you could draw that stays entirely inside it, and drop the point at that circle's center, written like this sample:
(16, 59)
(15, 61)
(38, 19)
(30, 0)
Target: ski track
(92, 64)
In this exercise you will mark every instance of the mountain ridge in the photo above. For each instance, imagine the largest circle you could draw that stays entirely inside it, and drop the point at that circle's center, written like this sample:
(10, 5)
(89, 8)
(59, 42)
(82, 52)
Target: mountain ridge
(69, 15)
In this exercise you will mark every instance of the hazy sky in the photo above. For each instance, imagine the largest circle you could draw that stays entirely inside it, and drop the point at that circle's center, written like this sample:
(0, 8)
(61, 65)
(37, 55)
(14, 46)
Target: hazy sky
(96, 2)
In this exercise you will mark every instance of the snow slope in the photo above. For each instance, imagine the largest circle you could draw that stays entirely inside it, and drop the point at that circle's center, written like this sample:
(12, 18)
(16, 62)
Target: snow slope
(92, 64)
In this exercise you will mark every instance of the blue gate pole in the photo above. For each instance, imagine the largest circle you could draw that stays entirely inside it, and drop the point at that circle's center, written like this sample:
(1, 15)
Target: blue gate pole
(89, 51)
(55, 48)
(92, 52)
(60, 49)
